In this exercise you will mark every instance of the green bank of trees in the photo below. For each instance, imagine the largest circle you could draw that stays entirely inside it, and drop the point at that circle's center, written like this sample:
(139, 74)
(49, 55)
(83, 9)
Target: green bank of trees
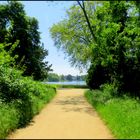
(53, 77)
(20, 97)
(104, 36)
(15, 25)
(20, 54)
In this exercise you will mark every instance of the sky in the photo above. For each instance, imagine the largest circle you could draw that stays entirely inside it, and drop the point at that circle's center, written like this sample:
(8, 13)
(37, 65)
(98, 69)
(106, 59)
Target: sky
(48, 13)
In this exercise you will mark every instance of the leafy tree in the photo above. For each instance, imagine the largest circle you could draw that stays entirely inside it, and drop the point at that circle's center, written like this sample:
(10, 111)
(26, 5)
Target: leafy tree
(80, 35)
(97, 75)
(62, 77)
(106, 36)
(53, 77)
(16, 25)
(73, 35)
(69, 77)
(5, 57)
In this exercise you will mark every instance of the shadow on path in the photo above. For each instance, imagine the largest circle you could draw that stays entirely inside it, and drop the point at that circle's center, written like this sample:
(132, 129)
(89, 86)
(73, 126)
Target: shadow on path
(75, 104)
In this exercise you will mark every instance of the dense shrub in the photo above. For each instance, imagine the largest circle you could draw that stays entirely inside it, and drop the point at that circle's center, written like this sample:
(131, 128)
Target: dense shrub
(109, 89)
(97, 75)
(131, 82)
(20, 99)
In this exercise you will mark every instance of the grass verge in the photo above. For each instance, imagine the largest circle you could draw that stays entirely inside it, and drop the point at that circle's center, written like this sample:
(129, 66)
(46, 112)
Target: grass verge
(68, 86)
(20, 99)
(122, 115)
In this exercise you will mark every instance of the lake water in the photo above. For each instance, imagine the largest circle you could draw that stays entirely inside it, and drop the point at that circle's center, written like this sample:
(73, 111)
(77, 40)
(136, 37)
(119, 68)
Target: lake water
(68, 83)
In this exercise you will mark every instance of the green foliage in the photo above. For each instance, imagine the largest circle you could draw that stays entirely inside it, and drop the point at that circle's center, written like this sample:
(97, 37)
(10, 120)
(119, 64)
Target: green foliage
(9, 119)
(69, 77)
(52, 77)
(97, 75)
(106, 36)
(69, 86)
(5, 58)
(72, 35)
(120, 114)
(99, 97)
(21, 95)
(109, 89)
(16, 25)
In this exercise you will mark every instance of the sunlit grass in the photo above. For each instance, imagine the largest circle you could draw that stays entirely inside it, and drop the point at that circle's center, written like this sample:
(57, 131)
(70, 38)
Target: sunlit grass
(122, 115)
(69, 86)
(8, 119)
(20, 99)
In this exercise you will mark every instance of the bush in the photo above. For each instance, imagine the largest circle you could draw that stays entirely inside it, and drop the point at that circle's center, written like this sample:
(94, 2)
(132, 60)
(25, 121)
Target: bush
(103, 95)
(20, 99)
(109, 89)
(97, 75)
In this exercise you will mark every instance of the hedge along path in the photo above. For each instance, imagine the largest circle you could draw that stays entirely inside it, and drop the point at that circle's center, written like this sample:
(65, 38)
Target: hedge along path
(68, 116)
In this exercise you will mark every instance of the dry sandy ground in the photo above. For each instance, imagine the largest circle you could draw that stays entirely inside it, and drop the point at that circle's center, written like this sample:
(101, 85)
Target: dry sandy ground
(68, 116)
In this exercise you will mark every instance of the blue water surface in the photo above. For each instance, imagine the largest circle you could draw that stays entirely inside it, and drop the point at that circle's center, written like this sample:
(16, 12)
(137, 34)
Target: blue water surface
(68, 83)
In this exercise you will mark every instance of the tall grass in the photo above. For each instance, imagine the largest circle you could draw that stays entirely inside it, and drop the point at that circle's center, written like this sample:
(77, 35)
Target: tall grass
(69, 86)
(20, 99)
(122, 115)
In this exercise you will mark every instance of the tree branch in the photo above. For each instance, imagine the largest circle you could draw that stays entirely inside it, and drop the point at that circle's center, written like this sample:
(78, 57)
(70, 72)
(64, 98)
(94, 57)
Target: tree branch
(87, 19)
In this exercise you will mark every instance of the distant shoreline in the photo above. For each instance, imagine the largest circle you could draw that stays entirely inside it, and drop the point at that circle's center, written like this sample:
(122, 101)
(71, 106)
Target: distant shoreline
(68, 83)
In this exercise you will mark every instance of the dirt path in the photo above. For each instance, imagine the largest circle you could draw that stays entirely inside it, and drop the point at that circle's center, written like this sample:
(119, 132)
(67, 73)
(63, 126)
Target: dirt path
(67, 116)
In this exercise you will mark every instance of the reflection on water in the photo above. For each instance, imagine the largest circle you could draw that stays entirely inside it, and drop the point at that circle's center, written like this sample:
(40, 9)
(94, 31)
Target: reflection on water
(68, 83)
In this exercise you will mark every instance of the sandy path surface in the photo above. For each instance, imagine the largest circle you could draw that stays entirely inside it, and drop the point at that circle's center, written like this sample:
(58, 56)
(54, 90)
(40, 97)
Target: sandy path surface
(68, 116)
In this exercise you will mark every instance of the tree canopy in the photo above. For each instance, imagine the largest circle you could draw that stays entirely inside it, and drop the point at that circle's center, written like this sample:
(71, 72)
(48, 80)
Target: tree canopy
(16, 25)
(105, 35)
